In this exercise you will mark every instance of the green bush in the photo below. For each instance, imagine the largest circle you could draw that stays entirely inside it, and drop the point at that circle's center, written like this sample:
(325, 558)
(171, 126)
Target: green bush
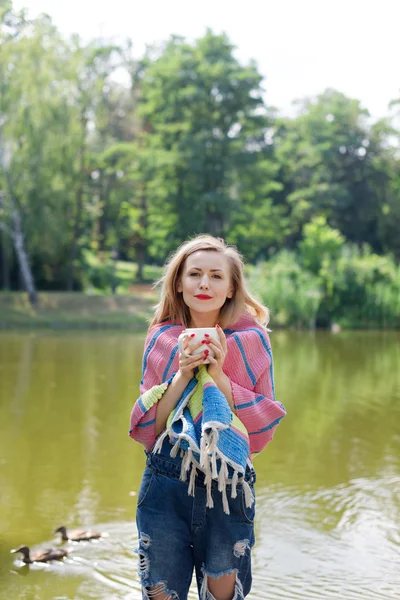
(292, 294)
(320, 241)
(355, 288)
(361, 289)
(97, 274)
(101, 275)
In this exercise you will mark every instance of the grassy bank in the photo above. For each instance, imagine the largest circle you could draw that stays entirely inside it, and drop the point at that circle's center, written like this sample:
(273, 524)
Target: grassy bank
(58, 310)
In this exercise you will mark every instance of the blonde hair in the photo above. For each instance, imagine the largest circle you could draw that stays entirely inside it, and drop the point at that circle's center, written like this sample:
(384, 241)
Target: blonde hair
(171, 305)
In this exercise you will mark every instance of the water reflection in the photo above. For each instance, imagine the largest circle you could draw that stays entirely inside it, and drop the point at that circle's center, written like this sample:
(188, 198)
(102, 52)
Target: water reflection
(328, 486)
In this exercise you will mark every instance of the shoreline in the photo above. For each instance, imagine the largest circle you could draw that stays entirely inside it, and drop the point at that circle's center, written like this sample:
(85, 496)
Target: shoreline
(77, 310)
(93, 312)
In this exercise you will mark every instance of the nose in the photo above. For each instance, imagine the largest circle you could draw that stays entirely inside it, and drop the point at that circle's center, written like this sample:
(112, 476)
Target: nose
(204, 283)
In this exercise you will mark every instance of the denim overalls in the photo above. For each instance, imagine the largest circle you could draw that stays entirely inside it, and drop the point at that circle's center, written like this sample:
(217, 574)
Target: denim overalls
(177, 532)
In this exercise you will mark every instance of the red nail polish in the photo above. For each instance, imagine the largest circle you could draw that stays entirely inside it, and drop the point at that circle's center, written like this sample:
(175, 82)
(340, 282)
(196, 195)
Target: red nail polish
(218, 326)
(204, 341)
(206, 352)
(192, 334)
(206, 335)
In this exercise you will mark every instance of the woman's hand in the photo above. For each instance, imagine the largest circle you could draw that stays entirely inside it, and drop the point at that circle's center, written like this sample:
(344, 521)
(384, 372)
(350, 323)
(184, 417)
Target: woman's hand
(220, 351)
(188, 364)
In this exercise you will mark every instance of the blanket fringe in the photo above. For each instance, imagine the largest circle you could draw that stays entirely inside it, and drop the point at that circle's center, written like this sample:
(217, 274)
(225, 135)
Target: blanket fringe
(208, 454)
(214, 469)
(234, 484)
(209, 461)
(248, 494)
(175, 449)
(210, 501)
(222, 481)
(203, 452)
(223, 476)
(192, 480)
(159, 442)
(225, 502)
(185, 466)
(208, 484)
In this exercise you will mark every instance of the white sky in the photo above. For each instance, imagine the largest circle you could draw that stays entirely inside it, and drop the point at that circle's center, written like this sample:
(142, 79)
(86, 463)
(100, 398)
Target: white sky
(301, 46)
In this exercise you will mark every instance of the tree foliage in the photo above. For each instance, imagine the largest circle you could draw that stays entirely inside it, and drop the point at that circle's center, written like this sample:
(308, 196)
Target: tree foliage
(101, 171)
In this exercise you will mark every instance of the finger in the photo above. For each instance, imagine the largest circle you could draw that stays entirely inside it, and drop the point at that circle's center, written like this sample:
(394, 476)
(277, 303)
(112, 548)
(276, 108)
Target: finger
(217, 350)
(196, 363)
(190, 359)
(222, 336)
(198, 344)
(212, 341)
(186, 344)
(192, 346)
(189, 350)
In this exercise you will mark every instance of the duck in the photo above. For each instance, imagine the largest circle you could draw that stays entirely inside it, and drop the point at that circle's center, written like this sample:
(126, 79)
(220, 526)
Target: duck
(40, 555)
(80, 535)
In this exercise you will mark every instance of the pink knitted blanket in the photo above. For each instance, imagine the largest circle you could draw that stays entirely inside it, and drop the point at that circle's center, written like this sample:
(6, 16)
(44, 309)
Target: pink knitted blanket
(248, 365)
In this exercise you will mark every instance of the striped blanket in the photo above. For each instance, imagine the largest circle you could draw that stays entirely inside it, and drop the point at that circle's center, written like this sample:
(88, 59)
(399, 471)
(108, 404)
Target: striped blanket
(202, 426)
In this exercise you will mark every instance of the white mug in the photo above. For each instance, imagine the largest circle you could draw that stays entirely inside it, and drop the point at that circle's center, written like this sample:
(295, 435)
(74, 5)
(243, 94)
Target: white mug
(199, 334)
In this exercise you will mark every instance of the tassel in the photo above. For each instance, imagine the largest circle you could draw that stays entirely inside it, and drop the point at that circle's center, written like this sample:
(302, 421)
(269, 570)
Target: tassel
(175, 449)
(225, 503)
(187, 461)
(221, 479)
(214, 465)
(203, 451)
(183, 475)
(210, 501)
(207, 478)
(208, 484)
(192, 480)
(248, 494)
(234, 484)
(159, 443)
(207, 473)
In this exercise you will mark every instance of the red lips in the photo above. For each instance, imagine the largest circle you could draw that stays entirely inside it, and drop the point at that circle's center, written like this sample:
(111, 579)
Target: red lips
(203, 297)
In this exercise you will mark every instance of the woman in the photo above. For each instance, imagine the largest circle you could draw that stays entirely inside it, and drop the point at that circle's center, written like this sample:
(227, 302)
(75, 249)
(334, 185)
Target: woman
(201, 425)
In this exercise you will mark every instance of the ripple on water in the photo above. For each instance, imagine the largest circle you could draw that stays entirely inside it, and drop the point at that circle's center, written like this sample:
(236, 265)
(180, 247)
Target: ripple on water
(352, 553)
(341, 543)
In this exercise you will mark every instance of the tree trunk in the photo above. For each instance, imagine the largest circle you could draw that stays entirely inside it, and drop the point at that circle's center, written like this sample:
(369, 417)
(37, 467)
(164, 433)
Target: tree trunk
(19, 245)
(5, 261)
(16, 233)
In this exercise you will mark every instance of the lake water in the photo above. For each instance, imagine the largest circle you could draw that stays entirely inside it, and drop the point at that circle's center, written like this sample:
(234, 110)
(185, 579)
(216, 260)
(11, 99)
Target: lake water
(328, 487)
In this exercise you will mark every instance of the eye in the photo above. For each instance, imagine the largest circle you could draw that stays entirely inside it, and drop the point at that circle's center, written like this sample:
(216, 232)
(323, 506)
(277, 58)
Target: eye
(194, 274)
(217, 276)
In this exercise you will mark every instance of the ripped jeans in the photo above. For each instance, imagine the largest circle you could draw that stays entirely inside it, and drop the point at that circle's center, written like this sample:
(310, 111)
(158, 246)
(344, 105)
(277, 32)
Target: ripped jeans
(178, 533)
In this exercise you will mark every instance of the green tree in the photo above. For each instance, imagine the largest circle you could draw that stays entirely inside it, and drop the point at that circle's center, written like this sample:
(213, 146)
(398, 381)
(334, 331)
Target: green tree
(205, 123)
(335, 164)
(319, 242)
(90, 70)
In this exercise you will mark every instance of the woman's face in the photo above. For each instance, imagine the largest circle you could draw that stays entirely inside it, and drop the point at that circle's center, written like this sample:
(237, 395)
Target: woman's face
(205, 282)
